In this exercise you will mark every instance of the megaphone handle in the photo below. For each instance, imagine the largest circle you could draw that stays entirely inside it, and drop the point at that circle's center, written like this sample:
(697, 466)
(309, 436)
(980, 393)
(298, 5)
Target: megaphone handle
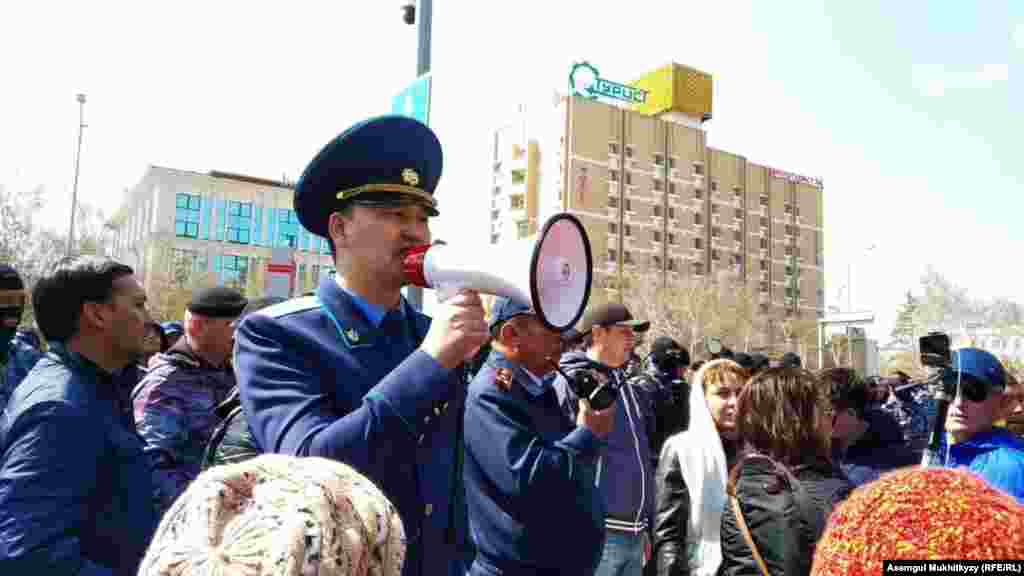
(446, 292)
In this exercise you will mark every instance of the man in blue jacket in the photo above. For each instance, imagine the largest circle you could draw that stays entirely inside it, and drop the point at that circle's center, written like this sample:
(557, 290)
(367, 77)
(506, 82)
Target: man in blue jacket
(978, 382)
(354, 373)
(75, 488)
(534, 507)
(625, 470)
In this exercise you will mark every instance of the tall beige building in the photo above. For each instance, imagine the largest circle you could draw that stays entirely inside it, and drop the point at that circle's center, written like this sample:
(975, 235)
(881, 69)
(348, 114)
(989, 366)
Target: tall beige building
(655, 198)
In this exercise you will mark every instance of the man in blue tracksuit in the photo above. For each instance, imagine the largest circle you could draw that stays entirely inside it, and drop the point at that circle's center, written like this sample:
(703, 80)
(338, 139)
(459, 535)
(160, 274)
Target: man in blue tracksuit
(534, 506)
(626, 475)
(354, 373)
(978, 381)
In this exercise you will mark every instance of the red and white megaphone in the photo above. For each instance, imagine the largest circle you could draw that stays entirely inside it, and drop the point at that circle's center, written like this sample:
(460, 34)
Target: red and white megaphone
(551, 274)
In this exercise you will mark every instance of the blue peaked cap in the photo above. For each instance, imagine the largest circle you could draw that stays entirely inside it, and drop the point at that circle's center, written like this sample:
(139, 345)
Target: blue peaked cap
(504, 309)
(980, 364)
(387, 160)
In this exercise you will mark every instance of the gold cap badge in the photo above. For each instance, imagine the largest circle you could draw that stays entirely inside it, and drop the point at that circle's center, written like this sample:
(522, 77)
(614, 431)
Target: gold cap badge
(410, 177)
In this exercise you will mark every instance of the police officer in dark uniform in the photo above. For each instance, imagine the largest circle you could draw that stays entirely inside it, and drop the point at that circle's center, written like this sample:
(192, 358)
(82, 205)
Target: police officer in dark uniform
(354, 373)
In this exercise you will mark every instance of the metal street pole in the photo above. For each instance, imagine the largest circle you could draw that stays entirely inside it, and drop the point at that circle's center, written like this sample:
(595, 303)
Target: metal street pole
(424, 17)
(78, 156)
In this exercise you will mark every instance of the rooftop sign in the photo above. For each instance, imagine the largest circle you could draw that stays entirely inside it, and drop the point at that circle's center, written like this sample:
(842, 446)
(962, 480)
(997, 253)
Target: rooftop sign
(585, 81)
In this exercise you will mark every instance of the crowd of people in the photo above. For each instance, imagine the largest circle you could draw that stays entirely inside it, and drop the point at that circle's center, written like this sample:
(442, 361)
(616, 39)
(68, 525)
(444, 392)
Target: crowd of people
(344, 432)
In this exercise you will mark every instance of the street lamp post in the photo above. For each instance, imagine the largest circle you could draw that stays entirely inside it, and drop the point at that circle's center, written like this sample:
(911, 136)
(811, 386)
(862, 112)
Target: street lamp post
(422, 15)
(78, 156)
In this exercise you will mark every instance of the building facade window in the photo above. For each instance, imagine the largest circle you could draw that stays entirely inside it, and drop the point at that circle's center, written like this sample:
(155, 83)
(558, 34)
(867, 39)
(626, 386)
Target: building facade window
(672, 188)
(627, 230)
(764, 221)
(658, 186)
(287, 229)
(629, 151)
(698, 243)
(671, 238)
(657, 211)
(612, 255)
(698, 269)
(738, 214)
(659, 160)
(698, 169)
(716, 231)
(235, 270)
(613, 148)
(714, 255)
(697, 218)
(737, 235)
(613, 228)
(671, 213)
(613, 175)
(186, 215)
(239, 222)
(656, 261)
(613, 202)
(656, 235)
(737, 259)
(698, 193)
(764, 243)
(763, 200)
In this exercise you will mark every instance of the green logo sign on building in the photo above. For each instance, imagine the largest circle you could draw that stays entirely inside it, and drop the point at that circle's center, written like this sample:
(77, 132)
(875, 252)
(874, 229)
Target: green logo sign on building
(585, 81)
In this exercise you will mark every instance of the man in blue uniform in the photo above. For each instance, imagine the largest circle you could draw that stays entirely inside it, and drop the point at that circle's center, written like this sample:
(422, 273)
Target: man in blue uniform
(354, 373)
(534, 506)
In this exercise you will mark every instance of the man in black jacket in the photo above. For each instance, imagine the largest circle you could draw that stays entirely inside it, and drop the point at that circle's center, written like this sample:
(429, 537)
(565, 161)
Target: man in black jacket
(663, 379)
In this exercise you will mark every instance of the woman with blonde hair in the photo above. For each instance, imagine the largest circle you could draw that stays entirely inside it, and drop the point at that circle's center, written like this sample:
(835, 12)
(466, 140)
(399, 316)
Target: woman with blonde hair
(692, 473)
(784, 484)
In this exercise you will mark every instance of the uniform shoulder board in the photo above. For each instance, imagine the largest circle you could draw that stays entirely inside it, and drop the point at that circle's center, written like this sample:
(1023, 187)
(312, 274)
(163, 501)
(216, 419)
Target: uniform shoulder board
(293, 306)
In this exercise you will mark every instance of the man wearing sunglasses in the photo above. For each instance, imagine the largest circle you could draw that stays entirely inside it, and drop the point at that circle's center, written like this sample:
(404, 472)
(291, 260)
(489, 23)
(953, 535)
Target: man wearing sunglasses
(977, 382)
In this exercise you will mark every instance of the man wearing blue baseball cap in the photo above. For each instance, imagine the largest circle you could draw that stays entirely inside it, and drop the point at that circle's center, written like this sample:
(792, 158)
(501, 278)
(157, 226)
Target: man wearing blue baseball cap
(977, 382)
(353, 372)
(530, 473)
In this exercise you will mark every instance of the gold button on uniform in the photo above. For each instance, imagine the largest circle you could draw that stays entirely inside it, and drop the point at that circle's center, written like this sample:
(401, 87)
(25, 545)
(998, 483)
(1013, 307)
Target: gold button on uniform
(429, 510)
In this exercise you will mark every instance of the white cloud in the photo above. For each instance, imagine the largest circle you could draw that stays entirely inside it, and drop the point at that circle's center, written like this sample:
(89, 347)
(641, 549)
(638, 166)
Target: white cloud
(937, 81)
(992, 73)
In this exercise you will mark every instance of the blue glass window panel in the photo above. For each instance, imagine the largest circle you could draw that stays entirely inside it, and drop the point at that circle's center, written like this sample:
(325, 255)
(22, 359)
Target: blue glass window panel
(239, 225)
(204, 218)
(287, 229)
(221, 222)
(257, 228)
(186, 215)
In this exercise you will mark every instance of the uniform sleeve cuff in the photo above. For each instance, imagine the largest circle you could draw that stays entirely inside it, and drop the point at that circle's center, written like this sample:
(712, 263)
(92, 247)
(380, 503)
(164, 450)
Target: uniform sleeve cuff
(584, 442)
(414, 389)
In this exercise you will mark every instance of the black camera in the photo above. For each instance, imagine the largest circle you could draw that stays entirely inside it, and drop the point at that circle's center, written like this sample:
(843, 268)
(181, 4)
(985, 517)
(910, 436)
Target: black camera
(409, 13)
(587, 384)
(934, 348)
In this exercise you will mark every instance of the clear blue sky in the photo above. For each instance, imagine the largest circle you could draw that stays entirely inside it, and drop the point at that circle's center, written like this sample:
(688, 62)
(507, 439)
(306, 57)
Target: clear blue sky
(910, 111)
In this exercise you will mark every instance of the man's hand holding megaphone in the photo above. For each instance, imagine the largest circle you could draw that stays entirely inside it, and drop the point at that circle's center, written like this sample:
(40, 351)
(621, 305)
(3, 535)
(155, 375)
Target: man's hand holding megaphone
(457, 331)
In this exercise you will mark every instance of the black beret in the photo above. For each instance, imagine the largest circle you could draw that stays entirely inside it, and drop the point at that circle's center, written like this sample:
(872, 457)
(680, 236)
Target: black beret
(10, 279)
(666, 352)
(387, 160)
(217, 302)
